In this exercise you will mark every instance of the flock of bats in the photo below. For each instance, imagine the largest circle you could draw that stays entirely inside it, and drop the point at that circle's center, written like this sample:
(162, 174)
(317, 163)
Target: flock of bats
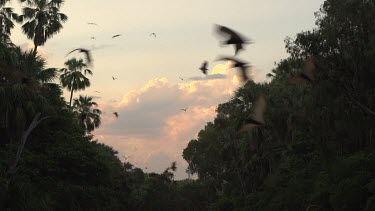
(234, 38)
(88, 57)
(238, 41)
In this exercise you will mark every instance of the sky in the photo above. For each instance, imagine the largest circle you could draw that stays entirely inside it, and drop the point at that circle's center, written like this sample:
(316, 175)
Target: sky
(152, 130)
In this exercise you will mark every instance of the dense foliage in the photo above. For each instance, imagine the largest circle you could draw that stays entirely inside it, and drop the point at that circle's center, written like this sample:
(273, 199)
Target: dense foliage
(315, 152)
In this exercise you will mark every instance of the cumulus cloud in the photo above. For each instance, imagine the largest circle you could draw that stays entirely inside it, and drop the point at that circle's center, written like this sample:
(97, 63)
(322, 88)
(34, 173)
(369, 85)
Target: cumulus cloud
(152, 122)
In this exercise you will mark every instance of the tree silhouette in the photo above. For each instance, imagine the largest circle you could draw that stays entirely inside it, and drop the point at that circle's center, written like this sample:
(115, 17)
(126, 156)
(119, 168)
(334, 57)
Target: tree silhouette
(88, 116)
(43, 20)
(73, 78)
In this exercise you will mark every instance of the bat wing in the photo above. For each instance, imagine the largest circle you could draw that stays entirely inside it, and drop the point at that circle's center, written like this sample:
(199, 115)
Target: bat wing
(259, 108)
(72, 51)
(309, 69)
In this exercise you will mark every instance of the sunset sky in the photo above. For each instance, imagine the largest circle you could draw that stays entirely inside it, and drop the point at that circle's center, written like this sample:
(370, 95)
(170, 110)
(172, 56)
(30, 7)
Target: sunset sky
(148, 94)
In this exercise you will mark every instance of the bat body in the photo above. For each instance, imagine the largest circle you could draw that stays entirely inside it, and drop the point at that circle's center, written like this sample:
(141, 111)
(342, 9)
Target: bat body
(307, 76)
(85, 51)
(203, 68)
(242, 65)
(256, 119)
(232, 37)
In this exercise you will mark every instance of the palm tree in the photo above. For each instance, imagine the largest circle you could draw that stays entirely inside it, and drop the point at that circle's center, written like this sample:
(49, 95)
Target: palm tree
(44, 20)
(73, 78)
(88, 116)
(23, 86)
(6, 17)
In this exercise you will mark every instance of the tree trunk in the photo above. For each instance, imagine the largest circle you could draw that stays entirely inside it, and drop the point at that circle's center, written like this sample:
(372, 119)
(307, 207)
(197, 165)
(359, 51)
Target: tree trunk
(13, 166)
(71, 97)
(35, 50)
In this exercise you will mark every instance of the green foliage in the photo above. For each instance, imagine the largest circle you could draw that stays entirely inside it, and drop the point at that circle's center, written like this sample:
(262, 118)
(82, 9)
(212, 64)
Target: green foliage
(316, 149)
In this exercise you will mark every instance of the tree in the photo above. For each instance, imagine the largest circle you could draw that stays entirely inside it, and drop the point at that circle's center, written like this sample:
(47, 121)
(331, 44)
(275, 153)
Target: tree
(6, 23)
(73, 78)
(88, 116)
(44, 20)
(24, 89)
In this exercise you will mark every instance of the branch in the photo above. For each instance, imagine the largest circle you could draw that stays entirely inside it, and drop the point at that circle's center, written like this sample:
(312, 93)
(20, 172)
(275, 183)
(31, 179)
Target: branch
(13, 166)
(359, 104)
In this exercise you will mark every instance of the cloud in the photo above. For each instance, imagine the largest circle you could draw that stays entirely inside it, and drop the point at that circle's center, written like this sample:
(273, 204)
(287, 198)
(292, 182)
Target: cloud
(151, 121)
(208, 77)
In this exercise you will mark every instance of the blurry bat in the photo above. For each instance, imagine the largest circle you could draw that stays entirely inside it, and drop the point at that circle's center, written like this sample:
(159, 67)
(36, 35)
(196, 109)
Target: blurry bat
(256, 119)
(307, 76)
(85, 51)
(243, 66)
(117, 35)
(203, 68)
(233, 37)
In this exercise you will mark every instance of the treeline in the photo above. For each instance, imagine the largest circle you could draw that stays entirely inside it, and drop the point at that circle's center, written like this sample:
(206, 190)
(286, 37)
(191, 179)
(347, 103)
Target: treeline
(316, 149)
(48, 157)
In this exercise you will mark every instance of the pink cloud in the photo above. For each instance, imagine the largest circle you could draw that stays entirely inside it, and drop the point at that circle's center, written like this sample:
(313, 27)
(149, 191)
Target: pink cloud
(153, 129)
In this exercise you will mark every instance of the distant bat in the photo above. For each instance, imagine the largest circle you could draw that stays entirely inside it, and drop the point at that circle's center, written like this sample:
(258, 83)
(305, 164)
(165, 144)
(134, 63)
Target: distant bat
(85, 51)
(173, 166)
(114, 78)
(93, 38)
(181, 78)
(97, 91)
(242, 65)
(116, 114)
(203, 68)
(126, 158)
(184, 109)
(307, 76)
(233, 38)
(92, 24)
(153, 34)
(117, 35)
(256, 119)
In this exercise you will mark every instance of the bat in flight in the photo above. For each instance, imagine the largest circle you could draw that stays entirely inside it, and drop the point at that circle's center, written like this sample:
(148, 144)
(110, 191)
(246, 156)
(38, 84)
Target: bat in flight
(232, 37)
(117, 35)
(307, 76)
(85, 51)
(256, 118)
(203, 68)
(243, 66)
